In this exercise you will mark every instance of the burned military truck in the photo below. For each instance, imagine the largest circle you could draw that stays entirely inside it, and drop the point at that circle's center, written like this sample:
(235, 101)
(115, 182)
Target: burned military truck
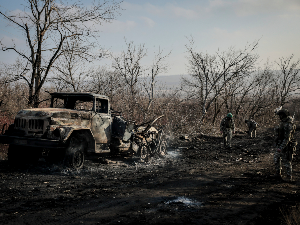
(75, 126)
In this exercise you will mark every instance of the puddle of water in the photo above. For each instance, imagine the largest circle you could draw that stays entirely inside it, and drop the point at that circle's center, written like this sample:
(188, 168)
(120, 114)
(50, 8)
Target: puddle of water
(186, 201)
(173, 154)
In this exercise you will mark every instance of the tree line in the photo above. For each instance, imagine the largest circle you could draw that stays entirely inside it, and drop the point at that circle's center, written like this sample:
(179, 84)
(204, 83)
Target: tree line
(61, 41)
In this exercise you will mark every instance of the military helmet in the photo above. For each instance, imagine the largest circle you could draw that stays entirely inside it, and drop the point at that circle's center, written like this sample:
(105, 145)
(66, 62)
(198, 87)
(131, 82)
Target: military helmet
(229, 115)
(284, 112)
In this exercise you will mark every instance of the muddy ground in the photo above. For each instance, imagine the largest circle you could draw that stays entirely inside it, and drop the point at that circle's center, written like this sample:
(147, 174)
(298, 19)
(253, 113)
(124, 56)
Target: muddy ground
(198, 182)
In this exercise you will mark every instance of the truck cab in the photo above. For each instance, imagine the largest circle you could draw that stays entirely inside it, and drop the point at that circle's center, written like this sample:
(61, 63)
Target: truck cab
(73, 119)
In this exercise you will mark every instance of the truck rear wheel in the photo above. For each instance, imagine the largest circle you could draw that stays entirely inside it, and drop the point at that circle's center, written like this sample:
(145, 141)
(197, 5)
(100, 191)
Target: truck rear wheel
(74, 157)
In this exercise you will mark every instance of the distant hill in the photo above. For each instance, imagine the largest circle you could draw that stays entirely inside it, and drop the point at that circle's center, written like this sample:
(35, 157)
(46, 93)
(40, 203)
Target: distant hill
(170, 81)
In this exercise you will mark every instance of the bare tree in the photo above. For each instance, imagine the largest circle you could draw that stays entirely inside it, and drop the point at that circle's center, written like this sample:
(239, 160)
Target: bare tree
(149, 82)
(211, 75)
(288, 78)
(72, 72)
(107, 82)
(47, 25)
(139, 79)
(257, 95)
(148, 98)
(128, 66)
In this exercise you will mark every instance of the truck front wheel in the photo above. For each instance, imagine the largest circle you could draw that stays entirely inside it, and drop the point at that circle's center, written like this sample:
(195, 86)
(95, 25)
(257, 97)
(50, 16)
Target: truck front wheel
(74, 157)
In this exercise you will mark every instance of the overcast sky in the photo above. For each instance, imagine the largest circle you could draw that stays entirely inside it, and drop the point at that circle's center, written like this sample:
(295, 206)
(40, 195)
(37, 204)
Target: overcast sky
(213, 24)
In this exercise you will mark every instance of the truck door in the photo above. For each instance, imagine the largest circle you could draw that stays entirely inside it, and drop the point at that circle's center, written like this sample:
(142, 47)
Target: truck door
(101, 122)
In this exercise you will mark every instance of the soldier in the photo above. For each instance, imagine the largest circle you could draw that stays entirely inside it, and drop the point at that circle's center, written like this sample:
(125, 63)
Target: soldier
(252, 125)
(285, 144)
(227, 128)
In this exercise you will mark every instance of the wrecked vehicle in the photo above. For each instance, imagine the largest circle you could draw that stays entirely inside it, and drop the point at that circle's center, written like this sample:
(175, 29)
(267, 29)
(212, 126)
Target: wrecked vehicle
(75, 126)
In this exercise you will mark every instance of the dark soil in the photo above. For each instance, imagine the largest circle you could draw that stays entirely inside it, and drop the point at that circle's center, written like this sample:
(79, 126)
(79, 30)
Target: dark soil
(198, 182)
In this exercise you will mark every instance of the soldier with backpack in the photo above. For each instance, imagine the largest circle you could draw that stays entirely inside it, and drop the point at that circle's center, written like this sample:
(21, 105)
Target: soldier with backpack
(227, 128)
(285, 144)
(252, 125)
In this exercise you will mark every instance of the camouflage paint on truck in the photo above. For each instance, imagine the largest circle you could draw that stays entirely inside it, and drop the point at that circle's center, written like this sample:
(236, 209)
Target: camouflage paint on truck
(75, 125)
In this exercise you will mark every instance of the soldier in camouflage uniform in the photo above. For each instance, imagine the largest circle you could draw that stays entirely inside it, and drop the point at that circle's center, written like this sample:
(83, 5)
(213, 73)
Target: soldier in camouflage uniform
(227, 128)
(285, 144)
(252, 125)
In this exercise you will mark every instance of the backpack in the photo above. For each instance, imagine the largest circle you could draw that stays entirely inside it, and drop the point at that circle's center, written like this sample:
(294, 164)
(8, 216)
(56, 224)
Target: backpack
(228, 122)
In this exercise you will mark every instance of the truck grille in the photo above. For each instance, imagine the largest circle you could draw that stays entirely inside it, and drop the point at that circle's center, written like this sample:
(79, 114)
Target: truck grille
(36, 124)
(33, 124)
(20, 123)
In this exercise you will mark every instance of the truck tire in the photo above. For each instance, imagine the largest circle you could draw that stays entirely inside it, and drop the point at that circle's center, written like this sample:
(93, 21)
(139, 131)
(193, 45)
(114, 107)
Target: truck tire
(144, 153)
(163, 148)
(74, 157)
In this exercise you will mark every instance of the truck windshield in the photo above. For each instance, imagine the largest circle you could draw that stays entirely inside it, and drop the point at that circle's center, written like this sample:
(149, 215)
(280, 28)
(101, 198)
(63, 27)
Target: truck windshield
(78, 103)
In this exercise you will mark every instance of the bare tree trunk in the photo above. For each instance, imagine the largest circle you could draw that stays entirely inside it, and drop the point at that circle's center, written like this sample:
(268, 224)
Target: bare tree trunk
(47, 25)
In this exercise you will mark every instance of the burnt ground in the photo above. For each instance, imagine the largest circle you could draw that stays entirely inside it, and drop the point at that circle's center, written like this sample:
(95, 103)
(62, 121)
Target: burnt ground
(198, 182)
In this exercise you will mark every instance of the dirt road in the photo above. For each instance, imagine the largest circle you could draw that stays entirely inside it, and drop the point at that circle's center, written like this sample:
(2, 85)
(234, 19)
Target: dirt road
(198, 182)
